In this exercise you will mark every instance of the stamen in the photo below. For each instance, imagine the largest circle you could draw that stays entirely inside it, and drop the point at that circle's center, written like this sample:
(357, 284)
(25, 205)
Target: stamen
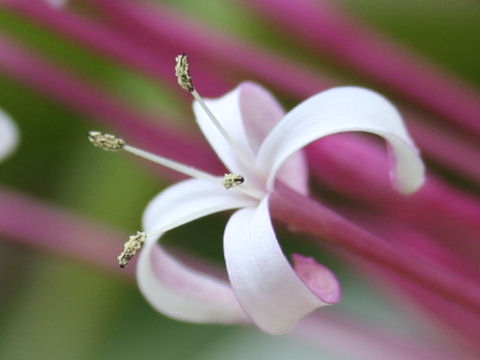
(134, 243)
(106, 142)
(113, 143)
(182, 71)
(232, 180)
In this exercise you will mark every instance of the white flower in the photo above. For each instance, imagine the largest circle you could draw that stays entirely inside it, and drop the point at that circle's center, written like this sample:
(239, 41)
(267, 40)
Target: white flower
(8, 135)
(262, 145)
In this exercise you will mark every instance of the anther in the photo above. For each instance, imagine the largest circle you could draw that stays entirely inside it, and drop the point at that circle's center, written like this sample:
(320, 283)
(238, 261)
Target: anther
(232, 180)
(106, 142)
(182, 71)
(134, 243)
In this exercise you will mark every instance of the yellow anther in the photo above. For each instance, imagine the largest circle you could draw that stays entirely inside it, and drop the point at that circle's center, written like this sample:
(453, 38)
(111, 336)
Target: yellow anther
(232, 180)
(182, 71)
(134, 243)
(106, 142)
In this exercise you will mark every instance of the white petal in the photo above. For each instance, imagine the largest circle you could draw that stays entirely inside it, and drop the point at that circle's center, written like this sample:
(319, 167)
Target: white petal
(8, 135)
(340, 110)
(265, 284)
(260, 113)
(248, 113)
(170, 286)
(227, 111)
(189, 200)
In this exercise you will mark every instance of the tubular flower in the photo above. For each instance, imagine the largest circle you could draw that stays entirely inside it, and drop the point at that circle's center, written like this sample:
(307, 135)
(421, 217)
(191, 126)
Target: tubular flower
(8, 135)
(262, 145)
(258, 144)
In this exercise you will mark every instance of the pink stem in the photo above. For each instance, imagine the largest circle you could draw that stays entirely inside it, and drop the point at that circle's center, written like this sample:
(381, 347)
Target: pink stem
(49, 81)
(9, 60)
(358, 168)
(63, 87)
(158, 64)
(455, 316)
(329, 329)
(417, 242)
(460, 320)
(159, 26)
(34, 224)
(325, 29)
(450, 148)
(311, 217)
(148, 54)
(77, 94)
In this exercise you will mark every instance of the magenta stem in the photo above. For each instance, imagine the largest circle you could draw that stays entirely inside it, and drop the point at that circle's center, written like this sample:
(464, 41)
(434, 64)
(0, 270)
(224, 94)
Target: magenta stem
(85, 98)
(354, 338)
(459, 321)
(450, 318)
(311, 217)
(431, 251)
(67, 89)
(325, 29)
(454, 151)
(359, 169)
(75, 93)
(448, 147)
(34, 224)
(150, 45)
(97, 37)
(416, 241)
(158, 26)
(49, 81)
(456, 317)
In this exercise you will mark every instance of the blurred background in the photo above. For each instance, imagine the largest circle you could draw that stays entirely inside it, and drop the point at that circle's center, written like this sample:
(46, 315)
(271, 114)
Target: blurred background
(55, 305)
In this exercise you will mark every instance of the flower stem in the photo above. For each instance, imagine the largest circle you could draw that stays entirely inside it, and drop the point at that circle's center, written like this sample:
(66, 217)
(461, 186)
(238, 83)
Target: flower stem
(356, 338)
(150, 45)
(73, 92)
(99, 38)
(324, 28)
(448, 147)
(34, 224)
(31, 223)
(159, 26)
(311, 217)
(358, 168)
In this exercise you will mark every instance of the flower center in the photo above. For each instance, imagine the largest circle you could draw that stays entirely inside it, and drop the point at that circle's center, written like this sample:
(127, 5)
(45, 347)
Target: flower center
(111, 142)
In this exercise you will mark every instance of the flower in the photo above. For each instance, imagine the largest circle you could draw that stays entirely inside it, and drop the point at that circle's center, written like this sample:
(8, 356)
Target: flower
(254, 138)
(8, 135)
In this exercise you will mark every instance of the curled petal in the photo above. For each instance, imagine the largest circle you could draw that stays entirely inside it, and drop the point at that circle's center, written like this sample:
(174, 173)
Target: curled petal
(8, 135)
(248, 113)
(180, 292)
(170, 286)
(227, 110)
(260, 113)
(189, 200)
(267, 287)
(340, 110)
(319, 279)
